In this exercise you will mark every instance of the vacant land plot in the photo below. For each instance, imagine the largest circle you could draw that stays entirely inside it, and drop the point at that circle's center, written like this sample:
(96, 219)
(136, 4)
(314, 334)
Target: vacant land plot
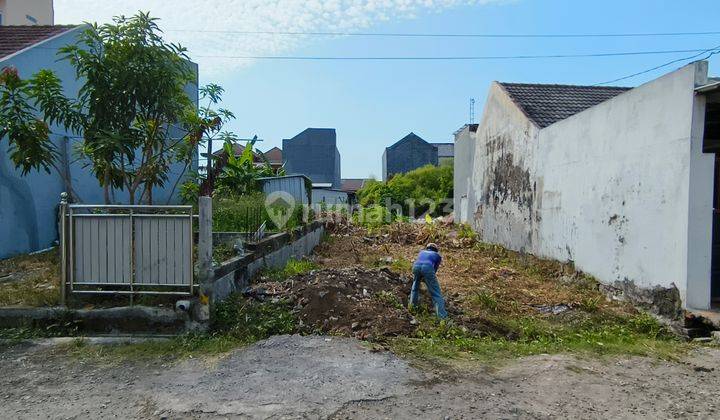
(528, 338)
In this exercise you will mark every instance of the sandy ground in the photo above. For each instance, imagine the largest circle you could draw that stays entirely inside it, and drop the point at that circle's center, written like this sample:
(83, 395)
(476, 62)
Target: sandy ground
(332, 377)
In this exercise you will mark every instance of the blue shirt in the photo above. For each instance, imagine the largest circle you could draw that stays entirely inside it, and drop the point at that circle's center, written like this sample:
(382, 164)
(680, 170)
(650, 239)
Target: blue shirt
(427, 256)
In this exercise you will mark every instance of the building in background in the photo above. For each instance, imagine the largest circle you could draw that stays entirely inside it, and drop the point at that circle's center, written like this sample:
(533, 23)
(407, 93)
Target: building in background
(324, 196)
(445, 152)
(28, 214)
(410, 152)
(314, 153)
(27, 12)
(351, 186)
(274, 157)
(622, 182)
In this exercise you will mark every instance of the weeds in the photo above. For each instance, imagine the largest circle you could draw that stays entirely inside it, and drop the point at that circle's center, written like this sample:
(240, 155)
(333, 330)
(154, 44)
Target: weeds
(485, 300)
(235, 322)
(30, 280)
(638, 335)
(223, 252)
(389, 299)
(292, 268)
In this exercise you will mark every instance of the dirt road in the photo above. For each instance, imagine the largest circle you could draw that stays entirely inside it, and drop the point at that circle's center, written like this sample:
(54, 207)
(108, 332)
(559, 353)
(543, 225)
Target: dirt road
(332, 377)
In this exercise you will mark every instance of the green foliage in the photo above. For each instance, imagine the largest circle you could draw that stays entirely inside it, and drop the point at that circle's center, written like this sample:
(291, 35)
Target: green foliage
(240, 174)
(235, 322)
(250, 321)
(132, 111)
(523, 336)
(485, 300)
(414, 193)
(245, 213)
(292, 268)
(374, 216)
(389, 299)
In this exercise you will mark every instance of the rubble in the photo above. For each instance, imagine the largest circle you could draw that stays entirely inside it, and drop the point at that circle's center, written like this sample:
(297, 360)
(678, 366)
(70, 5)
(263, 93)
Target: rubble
(363, 303)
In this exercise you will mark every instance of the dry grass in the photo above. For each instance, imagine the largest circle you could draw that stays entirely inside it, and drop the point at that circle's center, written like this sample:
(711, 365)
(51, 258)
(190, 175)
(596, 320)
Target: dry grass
(482, 274)
(30, 280)
(501, 301)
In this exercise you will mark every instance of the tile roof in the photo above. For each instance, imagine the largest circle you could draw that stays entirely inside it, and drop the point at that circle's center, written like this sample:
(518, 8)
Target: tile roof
(548, 104)
(238, 150)
(352, 184)
(17, 38)
(274, 155)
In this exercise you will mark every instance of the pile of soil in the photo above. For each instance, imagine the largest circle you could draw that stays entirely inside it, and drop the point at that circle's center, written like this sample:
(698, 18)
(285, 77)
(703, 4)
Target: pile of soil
(364, 303)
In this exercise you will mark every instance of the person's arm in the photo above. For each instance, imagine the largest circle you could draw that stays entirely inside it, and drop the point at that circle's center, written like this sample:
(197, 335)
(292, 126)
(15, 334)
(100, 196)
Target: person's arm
(437, 263)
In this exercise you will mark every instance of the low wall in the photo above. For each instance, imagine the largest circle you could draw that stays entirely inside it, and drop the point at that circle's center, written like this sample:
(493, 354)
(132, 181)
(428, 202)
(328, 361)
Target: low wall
(273, 251)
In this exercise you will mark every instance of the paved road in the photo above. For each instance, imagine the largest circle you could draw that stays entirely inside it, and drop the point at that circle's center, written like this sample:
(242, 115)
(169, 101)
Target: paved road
(331, 377)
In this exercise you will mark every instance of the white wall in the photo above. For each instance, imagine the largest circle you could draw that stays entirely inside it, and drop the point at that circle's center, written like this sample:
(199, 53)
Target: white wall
(621, 189)
(15, 12)
(464, 153)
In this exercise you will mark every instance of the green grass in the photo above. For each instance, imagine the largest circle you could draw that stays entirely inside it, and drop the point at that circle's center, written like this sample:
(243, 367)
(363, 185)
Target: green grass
(236, 322)
(223, 252)
(292, 268)
(639, 335)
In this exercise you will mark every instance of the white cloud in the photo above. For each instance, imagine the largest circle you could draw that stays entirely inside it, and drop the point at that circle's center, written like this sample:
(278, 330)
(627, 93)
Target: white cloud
(250, 15)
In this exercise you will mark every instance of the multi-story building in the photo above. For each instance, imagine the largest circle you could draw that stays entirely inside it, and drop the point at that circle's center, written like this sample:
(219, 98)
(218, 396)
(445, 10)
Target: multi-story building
(26, 12)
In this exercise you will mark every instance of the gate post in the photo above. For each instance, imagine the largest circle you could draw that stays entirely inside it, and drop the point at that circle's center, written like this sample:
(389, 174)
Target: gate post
(62, 232)
(206, 273)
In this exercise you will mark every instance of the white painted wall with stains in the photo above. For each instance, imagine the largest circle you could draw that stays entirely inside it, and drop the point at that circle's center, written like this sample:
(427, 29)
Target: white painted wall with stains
(621, 189)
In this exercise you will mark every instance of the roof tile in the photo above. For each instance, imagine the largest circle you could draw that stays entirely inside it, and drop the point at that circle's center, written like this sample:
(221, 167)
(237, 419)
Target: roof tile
(548, 104)
(17, 38)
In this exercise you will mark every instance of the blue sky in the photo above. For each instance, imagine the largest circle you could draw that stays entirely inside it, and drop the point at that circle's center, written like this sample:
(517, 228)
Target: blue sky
(372, 104)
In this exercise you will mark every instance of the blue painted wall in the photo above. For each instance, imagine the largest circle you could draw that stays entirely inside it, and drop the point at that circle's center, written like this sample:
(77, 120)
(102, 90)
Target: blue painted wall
(410, 152)
(314, 153)
(28, 204)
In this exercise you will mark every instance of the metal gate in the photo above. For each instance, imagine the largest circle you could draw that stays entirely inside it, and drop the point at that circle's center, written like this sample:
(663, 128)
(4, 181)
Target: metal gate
(114, 249)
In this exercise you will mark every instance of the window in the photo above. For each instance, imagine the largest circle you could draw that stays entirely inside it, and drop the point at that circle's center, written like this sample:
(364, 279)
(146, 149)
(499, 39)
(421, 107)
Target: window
(1, 16)
(31, 19)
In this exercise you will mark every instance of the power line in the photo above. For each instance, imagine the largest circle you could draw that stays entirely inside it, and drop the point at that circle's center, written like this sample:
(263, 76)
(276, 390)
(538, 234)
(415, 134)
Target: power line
(449, 35)
(710, 51)
(440, 58)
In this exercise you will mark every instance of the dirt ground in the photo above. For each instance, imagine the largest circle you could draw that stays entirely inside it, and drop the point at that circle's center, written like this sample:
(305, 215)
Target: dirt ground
(358, 294)
(340, 378)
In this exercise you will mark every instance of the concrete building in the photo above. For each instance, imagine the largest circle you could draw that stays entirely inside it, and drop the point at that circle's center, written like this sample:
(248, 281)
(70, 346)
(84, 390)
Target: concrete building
(619, 181)
(328, 197)
(27, 12)
(445, 152)
(28, 210)
(410, 152)
(314, 153)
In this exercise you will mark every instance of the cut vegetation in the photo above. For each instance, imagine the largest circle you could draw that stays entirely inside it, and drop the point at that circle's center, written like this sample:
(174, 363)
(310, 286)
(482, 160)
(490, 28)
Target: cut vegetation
(502, 304)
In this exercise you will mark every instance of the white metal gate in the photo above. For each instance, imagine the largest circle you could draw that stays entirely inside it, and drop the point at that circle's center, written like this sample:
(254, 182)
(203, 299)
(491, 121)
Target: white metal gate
(112, 249)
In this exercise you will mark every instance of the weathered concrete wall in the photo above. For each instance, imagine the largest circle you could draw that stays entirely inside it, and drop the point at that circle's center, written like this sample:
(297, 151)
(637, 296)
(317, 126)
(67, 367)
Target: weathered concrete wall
(621, 189)
(465, 141)
(272, 252)
(28, 204)
(500, 197)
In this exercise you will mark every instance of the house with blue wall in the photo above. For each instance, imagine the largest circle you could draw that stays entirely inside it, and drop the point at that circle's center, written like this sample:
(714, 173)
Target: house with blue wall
(314, 153)
(28, 203)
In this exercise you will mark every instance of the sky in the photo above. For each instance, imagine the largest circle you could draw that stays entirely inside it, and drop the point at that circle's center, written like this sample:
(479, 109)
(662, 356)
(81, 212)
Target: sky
(374, 103)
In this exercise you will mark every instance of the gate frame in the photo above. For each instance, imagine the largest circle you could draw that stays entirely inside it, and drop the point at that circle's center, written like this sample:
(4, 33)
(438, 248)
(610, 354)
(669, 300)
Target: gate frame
(67, 253)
